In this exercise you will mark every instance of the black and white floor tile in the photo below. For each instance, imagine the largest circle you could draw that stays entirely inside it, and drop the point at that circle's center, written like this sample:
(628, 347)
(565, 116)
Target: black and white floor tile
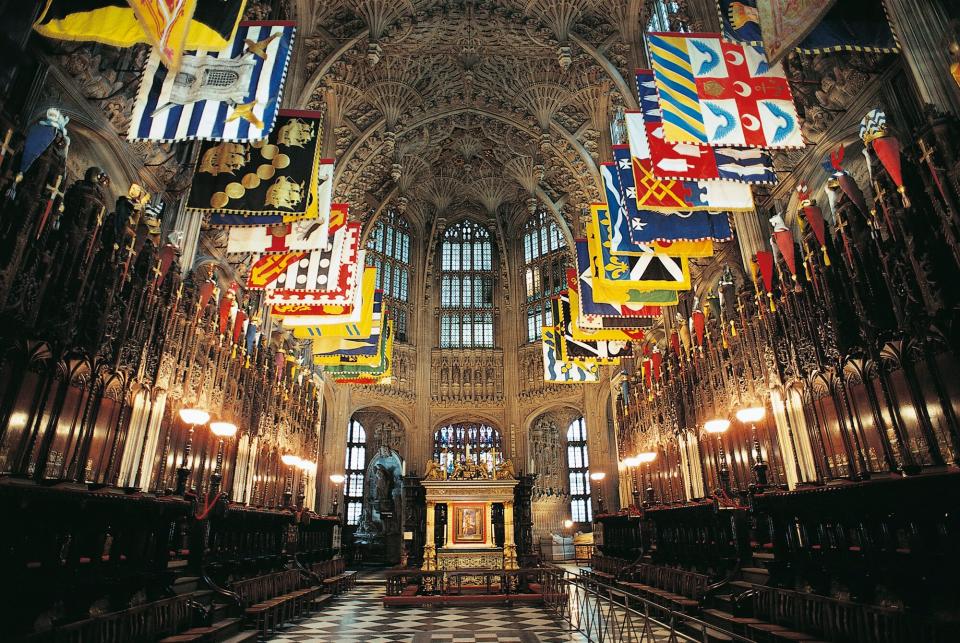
(360, 617)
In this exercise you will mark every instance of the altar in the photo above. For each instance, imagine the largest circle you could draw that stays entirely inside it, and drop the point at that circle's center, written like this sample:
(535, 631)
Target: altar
(466, 511)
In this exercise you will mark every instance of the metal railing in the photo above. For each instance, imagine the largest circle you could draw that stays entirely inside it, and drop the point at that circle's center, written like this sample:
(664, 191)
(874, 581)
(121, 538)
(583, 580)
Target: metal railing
(606, 614)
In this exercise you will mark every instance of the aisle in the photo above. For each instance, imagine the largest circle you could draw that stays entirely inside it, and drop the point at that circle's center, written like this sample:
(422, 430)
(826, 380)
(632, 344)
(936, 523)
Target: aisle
(360, 617)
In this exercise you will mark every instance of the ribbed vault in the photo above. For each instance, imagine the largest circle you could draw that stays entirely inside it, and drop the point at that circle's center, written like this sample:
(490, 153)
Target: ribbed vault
(445, 107)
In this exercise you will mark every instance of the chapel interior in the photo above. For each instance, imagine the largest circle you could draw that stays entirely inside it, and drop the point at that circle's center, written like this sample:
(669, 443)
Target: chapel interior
(486, 321)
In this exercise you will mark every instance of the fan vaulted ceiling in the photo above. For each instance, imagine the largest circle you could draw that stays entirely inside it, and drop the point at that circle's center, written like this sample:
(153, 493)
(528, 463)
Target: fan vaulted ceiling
(452, 107)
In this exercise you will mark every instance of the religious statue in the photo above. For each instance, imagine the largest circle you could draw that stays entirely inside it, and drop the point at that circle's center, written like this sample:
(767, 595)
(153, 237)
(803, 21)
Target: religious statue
(434, 471)
(505, 471)
(383, 487)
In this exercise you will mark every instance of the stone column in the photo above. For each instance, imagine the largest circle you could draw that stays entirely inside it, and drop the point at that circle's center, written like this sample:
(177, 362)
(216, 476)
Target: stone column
(509, 546)
(923, 27)
(750, 236)
(429, 549)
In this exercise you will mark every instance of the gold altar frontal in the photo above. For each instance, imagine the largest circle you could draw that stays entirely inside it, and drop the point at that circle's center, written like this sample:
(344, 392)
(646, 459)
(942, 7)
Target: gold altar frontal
(469, 536)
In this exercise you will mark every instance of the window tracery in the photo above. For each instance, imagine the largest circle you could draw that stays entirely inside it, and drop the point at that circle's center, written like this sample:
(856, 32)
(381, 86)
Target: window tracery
(388, 250)
(466, 287)
(578, 466)
(544, 272)
(473, 441)
(354, 468)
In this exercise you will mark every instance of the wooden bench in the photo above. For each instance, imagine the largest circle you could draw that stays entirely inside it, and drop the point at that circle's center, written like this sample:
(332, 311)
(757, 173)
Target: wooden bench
(606, 569)
(334, 575)
(787, 615)
(147, 622)
(678, 589)
(275, 598)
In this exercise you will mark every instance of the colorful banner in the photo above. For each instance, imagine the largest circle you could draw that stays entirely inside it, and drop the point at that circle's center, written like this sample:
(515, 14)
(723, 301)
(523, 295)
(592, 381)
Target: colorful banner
(686, 161)
(594, 314)
(638, 280)
(278, 177)
(328, 276)
(785, 23)
(654, 193)
(559, 371)
(720, 93)
(379, 367)
(347, 350)
(689, 233)
(293, 237)
(230, 93)
(355, 320)
(170, 26)
(565, 312)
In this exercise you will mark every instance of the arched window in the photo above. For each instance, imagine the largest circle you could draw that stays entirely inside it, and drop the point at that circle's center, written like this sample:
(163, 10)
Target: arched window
(480, 443)
(660, 11)
(388, 249)
(578, 467)
(355, 467)
(466, 287)
(545, 272)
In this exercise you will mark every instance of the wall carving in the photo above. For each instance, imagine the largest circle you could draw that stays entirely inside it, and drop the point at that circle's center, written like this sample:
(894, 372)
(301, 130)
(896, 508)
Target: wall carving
(532, 387)
(472, 377)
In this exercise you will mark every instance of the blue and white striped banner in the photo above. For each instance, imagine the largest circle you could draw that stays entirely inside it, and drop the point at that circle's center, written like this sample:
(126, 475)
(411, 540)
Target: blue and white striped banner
(228, 95)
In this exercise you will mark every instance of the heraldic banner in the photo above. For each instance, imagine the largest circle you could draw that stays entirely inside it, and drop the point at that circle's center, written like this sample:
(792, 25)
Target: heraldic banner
(229, 94)
(277, 177)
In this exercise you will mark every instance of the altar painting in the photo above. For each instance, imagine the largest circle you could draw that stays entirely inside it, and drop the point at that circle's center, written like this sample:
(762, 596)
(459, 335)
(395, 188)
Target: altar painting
(470, 523)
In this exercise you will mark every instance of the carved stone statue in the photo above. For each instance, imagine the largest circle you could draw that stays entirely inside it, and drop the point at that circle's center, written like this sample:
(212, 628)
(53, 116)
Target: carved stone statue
(434, 471)
(383, 488)
(505, 471)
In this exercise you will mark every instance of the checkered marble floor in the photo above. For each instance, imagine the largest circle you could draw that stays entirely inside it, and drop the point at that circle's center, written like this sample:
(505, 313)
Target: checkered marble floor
(360, 617)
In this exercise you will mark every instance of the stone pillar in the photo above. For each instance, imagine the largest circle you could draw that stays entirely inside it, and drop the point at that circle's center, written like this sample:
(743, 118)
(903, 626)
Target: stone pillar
(923, 27)
(509, 546)
(750, 236)
(429, 548)
(795, 448)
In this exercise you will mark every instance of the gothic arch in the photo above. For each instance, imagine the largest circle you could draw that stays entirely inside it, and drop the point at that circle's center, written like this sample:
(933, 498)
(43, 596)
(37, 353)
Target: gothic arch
(387, 428)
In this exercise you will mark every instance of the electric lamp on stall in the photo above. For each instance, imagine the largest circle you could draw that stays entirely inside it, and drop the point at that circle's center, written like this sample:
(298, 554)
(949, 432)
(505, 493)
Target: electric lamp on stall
(718, 427)
(291, 461)
(647, 457)
(598, 476)
(751, 415)
(337, 480)
(568, 525)
(222, 430)
(193, 418)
